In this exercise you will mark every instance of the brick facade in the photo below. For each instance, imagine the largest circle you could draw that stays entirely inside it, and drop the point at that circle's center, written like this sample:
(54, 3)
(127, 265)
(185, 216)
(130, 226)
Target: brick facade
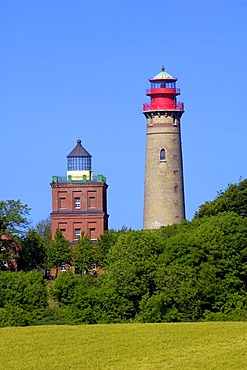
(79, 207)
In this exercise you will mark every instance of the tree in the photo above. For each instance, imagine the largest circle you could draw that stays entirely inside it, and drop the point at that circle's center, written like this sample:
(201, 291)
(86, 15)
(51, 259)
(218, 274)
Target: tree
(13, 224)
(23, 298)
(59, 252)
(105, 243)
(77, 297)
(83, 253)
(13, 217)
(131, 271)
(32, 252)
(193, 271)
(202, 271)
(43, 228)
(233, 199)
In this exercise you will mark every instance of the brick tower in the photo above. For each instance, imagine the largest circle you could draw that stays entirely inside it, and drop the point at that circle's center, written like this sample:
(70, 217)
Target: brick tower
(164, 190)
(79, 200)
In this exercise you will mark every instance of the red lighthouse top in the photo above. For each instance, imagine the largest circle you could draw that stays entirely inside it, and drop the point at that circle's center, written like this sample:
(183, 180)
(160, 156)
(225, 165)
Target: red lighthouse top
(163, 93)
(163, 75)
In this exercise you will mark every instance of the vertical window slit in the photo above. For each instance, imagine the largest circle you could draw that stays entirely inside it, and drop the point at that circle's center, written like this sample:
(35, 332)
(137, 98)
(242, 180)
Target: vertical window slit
(162, 155)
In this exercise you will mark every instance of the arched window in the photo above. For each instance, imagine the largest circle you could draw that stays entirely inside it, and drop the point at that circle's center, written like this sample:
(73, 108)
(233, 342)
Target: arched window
(162, 155)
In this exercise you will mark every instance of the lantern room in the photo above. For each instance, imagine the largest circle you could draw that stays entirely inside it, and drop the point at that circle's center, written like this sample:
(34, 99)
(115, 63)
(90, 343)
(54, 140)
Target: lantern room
(79, 164)
(163, 93)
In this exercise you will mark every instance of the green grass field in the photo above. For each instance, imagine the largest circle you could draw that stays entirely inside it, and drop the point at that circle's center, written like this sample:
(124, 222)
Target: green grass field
(220, 346)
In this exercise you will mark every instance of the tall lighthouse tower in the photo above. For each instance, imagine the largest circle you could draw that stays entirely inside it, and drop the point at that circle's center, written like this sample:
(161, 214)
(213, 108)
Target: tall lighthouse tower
(164, 189)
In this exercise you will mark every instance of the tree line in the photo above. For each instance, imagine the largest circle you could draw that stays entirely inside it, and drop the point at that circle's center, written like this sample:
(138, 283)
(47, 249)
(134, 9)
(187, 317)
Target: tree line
(193, 271)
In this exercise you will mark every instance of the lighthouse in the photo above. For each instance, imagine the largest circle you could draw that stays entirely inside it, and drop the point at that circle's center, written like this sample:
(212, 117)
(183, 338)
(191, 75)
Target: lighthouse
(164, 188)
(79, 200)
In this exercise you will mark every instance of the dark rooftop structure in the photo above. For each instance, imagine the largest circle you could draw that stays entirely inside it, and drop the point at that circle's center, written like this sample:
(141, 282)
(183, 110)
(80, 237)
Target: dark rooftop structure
(79, 151)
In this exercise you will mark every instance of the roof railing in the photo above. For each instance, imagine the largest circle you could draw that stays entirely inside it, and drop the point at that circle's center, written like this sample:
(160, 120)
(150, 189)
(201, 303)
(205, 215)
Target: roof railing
(149, 106)
(69, 179)
(163, 90)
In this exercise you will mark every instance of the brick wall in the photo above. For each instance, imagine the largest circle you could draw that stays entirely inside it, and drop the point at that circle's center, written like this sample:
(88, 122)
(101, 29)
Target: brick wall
(79, 206)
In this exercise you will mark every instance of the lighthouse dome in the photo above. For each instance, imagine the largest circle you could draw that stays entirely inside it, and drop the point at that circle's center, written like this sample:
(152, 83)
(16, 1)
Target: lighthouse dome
(79, 163)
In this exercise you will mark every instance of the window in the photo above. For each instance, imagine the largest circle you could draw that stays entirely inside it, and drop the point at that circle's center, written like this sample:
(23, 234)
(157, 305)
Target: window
(91, 202)
(77, 234)
(77, 203)
(163, 84)
(62, 226)
(92, 232)
(79, 163)
(62, 202)
(91, 199)
(63, 268)
(162, 155)
(92, 227)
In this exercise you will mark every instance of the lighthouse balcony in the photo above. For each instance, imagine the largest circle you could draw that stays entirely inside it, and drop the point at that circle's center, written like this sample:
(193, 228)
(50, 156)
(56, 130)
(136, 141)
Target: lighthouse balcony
(68, 179)
(176, 106)
(157, 91)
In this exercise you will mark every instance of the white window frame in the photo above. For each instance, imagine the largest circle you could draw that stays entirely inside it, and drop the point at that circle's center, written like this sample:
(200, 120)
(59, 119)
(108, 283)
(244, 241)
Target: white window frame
(77, 203)
(77, 234)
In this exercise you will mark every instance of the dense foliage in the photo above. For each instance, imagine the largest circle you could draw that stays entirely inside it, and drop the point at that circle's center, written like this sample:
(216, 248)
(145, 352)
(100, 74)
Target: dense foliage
(13, 224)
(32, 254)
(23, 298)
(13, 217)
(233, 199)
(59, 252)
(194, 271)
(188, 272)
(83, 254)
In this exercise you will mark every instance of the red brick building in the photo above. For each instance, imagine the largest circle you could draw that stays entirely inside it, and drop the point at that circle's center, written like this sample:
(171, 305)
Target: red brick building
(79, 201)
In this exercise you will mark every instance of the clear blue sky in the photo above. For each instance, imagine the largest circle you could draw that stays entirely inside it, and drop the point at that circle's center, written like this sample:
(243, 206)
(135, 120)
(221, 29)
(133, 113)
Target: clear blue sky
(74, 69)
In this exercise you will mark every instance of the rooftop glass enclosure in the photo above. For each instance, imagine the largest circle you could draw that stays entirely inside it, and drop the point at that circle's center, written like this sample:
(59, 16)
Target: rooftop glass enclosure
(79, 164)
(163, 84)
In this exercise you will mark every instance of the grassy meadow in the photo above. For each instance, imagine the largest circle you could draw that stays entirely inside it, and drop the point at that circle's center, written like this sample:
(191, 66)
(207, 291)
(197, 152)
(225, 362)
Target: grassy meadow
(218, 345)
